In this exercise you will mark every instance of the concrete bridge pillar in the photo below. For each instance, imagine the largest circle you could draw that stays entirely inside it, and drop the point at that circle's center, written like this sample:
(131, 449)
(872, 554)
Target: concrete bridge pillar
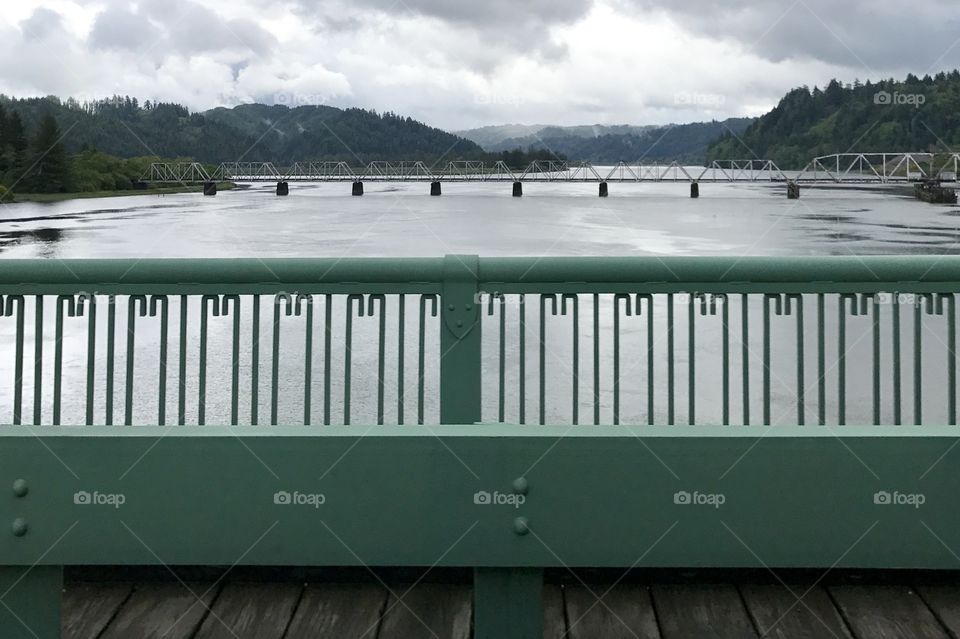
(517, 189)
(358, 188)
(283, 188)
(434, 188)
(793, 191)
(604, 191)
(209, 188)
(694, 190)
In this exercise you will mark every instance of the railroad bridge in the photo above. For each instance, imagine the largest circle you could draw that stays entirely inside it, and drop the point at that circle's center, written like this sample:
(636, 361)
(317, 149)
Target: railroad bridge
(838, 168)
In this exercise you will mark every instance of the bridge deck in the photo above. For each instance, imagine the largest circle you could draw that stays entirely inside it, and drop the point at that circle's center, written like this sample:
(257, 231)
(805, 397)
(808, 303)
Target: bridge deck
(266, 605)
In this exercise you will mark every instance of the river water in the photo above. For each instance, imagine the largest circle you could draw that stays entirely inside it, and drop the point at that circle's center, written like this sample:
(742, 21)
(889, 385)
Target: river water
(552, 219)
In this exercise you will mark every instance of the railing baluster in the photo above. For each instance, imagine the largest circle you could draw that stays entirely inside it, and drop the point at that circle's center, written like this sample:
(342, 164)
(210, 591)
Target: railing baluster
(596, 359)
(202, 372)
(650, 343)
(38, 361)
(16, 304)
(766, 351)
(401, 310)
(111, 354)
(182, 392)
(255, 361)
(235, 357)
(951, 359)
(132, 302)
(574, 300)
(616, 351)
(745, 354)
(523, 359)
(381, 352)
(91, 351)
(670, 364)
(897, 420)
(726, 362)
(543, 352)
(692, 367)
(876, 355)
(164, 329)
(801, 390)
(327, 355)
(348, 343)
(307, 356)
(917, 362)
(421, 372)
(821, 360)
(71, 305)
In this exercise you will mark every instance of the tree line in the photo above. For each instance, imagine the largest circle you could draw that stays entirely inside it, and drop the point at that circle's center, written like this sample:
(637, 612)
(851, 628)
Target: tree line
(52, 146)
(915, 114)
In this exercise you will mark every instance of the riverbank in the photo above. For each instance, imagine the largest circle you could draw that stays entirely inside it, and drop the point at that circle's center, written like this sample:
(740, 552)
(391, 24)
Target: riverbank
(41, 198)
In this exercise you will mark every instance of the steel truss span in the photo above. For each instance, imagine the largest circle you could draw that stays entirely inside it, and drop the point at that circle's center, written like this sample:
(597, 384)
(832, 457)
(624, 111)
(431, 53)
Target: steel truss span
(839, 168)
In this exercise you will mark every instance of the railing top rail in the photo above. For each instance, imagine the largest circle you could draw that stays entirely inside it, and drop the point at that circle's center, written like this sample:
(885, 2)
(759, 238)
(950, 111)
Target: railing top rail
(517, 274)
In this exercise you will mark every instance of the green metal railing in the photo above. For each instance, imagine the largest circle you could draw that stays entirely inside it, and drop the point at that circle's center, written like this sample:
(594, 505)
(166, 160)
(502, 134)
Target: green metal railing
(777, 333)
(597, 389)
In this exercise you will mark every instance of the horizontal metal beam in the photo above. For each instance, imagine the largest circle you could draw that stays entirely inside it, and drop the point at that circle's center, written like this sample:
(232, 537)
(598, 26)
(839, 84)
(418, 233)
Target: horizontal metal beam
(370, 275)
(482, 495)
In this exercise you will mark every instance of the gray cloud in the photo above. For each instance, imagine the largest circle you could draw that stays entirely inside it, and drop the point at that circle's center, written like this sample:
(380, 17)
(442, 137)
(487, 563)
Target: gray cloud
(506, 27)
(182, 26)
(41, 23)
(876, 36)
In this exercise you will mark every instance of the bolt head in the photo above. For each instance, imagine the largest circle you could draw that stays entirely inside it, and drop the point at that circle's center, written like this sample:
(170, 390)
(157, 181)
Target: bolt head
(20, 488)
(468, 307)
(521, 526)
(19, 527)
(451, 307)
(521, 486)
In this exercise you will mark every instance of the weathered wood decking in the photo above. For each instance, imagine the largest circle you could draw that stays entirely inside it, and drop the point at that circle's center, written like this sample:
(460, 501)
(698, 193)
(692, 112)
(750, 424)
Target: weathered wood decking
(101, 605)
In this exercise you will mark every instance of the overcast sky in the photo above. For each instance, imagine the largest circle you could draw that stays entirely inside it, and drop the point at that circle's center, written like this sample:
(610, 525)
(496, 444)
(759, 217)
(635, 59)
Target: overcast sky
(463, 63)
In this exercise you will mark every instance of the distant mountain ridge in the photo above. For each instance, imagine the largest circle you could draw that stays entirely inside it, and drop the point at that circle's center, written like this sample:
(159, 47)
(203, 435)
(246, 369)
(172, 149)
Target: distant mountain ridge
(125, 128)
(609, 144)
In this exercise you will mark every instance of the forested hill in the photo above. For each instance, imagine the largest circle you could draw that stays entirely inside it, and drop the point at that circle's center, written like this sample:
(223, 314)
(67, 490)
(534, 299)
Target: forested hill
(125, 128)
(918, 114)
(681, 142)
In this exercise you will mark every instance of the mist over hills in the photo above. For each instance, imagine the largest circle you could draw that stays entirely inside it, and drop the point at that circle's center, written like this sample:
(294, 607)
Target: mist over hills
(609, 144)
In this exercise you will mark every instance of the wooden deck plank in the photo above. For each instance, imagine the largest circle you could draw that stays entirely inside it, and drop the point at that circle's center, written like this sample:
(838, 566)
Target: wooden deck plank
(944, 600)
(428, 611)
(251, 611)
(554, 622)
(886, 612)
(88, 607)
(167, 610)
(339, 611)
(778, 615)
(702, 611)
(624, 612)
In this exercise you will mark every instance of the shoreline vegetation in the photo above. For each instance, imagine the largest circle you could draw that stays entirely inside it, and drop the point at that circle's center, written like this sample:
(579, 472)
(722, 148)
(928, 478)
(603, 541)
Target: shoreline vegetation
(45, 198)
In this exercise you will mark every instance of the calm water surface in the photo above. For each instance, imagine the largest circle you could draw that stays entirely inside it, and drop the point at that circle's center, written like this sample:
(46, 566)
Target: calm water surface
(551, 219)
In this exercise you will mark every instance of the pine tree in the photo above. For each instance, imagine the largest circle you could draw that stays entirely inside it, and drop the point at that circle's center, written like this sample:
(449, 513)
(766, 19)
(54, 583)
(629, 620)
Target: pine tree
(49, 168)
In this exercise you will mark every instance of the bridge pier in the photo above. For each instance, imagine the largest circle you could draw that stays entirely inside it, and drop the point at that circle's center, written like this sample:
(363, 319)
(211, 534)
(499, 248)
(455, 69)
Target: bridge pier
(793, 191)
(517, 189)
(283, 188)
(694, 190)
(358, 188)
(434, 188)
(604, 191)
(209, 188)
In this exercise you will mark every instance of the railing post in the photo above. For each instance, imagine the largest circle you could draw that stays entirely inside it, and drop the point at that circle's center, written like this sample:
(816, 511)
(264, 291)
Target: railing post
(460, 341)
(30, 602)
(508, 603)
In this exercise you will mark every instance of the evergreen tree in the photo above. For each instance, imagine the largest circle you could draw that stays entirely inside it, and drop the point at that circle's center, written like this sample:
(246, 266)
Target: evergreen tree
(49, 168)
